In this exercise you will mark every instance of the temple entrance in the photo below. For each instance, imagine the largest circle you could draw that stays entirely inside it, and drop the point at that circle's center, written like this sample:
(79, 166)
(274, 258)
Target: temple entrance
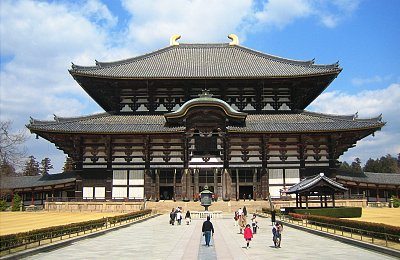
(245, 191)
(166, 192)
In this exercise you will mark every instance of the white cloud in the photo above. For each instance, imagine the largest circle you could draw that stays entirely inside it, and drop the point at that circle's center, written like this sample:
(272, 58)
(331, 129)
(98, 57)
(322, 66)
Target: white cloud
(369, 103)
(280, 13)
(358, 81)
(153, 22)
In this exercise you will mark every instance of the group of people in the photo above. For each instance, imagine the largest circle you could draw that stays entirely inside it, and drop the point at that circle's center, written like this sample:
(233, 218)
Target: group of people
(248, 231)
(176, 216)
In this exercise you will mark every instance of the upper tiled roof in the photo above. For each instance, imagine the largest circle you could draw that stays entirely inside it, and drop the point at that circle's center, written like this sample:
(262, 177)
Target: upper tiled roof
(308, 183)
(274, 123)
(205, 61)
(370, 177)
(36, 181)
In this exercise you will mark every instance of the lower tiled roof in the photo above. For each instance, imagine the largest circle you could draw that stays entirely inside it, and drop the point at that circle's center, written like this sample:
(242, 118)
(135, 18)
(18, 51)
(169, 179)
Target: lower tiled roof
(265, 123)
(36, 181)
(371, 177)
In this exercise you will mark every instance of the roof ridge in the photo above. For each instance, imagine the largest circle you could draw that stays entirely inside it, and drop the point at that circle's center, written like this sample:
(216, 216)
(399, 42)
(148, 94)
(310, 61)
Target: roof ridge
(350, 117)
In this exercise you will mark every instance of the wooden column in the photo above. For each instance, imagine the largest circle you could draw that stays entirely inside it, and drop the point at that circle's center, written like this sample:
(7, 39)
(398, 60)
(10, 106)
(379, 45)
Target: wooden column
(254, 183)
(33, 198)
(216, 181)
(237, 184)
(174, 191)
(297, 200)
(326, 201)
(377, 194)
(333, 199)
(320, 199)
(306, 201)
(196, 183)
(157, 186)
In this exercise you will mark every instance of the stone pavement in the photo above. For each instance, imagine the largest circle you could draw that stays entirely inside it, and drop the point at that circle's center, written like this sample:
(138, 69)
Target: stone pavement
(156, 239)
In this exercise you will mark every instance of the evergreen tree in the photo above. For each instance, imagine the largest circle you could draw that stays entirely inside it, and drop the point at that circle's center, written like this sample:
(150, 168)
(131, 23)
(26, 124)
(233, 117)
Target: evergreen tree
(68, 164)
(345, 166)
(356, 166)
(31, 167)
(46, 166)
(385, 164)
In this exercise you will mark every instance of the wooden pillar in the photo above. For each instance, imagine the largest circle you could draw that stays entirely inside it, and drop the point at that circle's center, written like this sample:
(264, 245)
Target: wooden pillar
(254, 184)
(326, 201)
(237, 184)
(33, 198)
(297, 200)
(377, 194)
(333, 199)
(174, 191)
(320, 200)
(196, 183)
(157, 186)
(216, 182)
(306, 201)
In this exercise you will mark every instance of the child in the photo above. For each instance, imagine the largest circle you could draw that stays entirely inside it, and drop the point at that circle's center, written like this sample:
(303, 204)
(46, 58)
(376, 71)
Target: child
(254, 223)
(248, 235)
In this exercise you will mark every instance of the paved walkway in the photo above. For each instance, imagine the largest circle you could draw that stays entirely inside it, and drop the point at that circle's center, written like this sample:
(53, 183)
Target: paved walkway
(156, 239)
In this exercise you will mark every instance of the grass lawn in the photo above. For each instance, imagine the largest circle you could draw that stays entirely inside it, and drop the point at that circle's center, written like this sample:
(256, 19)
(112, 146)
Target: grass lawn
(389, 216)
(15, 222)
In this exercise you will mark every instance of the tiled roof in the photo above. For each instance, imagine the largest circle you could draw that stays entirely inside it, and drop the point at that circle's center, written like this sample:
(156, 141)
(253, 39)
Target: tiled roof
(280, 123)
(205, 61)
(370, 177)
(309, 182)
(297, 122)
(304, 122)
(36, 181)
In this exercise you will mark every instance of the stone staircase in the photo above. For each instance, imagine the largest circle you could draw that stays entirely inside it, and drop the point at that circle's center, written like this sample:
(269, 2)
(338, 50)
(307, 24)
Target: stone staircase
(224, 206)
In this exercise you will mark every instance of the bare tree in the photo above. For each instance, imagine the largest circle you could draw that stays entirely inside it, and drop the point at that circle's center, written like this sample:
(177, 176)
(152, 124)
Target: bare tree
(11, 152)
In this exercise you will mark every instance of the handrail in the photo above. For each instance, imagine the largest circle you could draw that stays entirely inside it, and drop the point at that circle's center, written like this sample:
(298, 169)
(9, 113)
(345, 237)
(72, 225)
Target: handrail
(79, 199)
(380, 238)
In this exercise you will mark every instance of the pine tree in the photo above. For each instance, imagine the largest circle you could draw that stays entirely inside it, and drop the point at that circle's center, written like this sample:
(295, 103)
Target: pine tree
(356, 166)
(31, 167)
(46, 166)
(345, 166)
(68, 164)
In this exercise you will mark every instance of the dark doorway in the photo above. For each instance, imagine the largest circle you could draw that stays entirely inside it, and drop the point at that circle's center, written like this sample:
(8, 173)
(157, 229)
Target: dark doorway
(166, 192)
(245, 191)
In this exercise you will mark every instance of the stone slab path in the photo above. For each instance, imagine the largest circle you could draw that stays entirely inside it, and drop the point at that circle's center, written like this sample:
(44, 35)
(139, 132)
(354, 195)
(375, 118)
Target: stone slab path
(156, 239)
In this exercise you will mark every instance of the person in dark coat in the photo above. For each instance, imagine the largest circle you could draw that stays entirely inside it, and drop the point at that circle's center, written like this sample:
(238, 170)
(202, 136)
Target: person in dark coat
(245, 211)
(273, 217)
(172, 216)
(207, 230)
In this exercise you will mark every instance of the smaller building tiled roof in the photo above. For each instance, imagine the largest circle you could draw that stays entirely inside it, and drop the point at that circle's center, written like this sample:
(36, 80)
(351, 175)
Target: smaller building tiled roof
(370, 177)
(20, 182)
(301, 122)
(211, 61)
(310, 182)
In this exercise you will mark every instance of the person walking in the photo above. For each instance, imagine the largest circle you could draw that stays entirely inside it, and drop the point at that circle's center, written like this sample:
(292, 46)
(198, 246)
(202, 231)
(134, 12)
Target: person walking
(172, 216)
(277, 234)
(179, 217)
(245, 211)
(207, 230)
(248, 235)
(273, 217)
(187, 217)
(254, 223)
(242, 222)
(236, 218)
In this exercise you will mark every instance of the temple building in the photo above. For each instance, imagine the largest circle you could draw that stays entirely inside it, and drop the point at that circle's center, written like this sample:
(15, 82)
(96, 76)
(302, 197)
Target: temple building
(190, 115)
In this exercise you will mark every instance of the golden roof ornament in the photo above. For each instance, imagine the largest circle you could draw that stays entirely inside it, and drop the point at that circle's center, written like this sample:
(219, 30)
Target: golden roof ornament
(234, 38)
(173, 40)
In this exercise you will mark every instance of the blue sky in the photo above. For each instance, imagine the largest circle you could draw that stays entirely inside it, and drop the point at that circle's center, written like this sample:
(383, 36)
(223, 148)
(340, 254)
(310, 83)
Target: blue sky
(40, 39)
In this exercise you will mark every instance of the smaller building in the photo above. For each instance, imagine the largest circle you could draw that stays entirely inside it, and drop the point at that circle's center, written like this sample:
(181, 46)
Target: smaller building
(35, 190)
(375, 187)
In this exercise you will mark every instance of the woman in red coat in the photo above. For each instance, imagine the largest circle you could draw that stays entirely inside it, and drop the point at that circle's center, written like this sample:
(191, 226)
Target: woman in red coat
(248, 235)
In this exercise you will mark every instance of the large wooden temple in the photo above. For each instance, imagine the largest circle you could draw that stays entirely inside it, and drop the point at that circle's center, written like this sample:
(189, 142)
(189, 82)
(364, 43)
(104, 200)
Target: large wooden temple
(191, 115)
